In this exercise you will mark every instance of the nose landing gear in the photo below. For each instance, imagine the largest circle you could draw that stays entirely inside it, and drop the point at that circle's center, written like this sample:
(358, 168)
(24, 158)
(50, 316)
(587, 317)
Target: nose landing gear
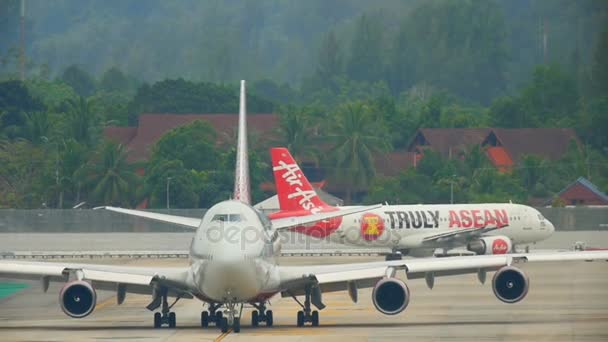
(232, 319)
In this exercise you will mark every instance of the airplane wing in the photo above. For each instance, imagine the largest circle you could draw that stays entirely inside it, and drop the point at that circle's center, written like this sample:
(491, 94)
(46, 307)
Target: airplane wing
(289, 222)
(139, 280)
(329, 278)
(189, 222)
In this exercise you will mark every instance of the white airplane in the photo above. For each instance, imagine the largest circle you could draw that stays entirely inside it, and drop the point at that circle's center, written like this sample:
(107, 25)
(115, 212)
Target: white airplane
(417, 230)
(233, 262)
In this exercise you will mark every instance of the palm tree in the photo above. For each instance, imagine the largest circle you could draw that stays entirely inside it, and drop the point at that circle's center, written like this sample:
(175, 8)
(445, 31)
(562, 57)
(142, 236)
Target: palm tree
(297, 133)
(356, 135)
(81, 120)
(37, 127)
(111, 179)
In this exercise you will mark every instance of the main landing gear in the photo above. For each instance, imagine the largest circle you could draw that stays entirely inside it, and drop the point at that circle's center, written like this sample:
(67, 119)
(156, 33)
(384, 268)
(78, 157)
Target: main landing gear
(212, 316)
(167, 317)
(306, 315)
(261, 315)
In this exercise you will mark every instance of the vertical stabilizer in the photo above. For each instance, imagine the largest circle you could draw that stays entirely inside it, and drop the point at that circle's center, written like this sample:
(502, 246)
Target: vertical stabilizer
(293, 188)
(241, 175)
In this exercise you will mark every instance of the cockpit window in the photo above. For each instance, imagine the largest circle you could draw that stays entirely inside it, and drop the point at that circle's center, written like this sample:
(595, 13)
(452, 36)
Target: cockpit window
(228, 218)
(540, 217)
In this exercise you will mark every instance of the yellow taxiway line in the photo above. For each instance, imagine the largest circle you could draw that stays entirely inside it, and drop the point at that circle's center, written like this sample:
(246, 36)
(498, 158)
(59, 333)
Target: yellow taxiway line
(223, 335)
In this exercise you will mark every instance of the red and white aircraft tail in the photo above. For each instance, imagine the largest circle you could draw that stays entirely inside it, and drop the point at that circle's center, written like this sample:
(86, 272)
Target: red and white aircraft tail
(293, 189)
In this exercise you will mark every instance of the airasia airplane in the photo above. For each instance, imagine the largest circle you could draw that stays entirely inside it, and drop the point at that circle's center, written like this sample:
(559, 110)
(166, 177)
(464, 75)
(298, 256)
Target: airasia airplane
(417, 230)
(233, 262)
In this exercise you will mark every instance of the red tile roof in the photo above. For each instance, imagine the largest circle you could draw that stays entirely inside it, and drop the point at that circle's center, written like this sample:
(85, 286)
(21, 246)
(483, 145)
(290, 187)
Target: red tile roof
(392, 163)
(500, 158)
(550, 143)
(152, 127)
(122, 135)
(448, 141)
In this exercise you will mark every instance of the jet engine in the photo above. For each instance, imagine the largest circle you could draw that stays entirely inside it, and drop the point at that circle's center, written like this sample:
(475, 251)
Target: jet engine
(510, 284)
(490, 245)
(77, 299)
(390, 296)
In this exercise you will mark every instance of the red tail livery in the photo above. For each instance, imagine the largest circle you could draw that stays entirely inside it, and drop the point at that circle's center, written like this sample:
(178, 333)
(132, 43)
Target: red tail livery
(297, 196)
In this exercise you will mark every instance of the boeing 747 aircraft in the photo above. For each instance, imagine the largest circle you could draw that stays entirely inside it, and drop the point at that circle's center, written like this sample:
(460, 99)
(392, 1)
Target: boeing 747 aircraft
(417, 230)
(233, 261)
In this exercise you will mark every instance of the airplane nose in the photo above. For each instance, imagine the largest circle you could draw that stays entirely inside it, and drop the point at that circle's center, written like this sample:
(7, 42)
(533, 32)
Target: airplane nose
(550, 228)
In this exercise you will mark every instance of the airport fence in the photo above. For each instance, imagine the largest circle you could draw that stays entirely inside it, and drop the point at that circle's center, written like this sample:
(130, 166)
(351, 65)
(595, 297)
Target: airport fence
(87, 220)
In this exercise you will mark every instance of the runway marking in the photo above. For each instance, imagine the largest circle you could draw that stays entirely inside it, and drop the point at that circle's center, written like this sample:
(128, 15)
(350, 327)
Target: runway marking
(223, 335)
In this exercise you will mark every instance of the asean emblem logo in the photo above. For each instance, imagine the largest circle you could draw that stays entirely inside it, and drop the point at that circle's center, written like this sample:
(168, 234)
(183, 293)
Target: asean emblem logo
(499, 246)
(372, 226)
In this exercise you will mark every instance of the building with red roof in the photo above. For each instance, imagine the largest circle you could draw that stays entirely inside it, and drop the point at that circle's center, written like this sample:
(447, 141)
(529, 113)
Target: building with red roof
(503, 146)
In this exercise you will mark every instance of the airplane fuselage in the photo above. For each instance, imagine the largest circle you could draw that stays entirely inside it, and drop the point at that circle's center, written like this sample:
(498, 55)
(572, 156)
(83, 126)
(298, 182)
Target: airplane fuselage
(404, 226)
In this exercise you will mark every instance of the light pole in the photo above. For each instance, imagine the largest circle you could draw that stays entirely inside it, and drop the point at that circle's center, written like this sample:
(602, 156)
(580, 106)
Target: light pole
(452, 190)
(168, 183)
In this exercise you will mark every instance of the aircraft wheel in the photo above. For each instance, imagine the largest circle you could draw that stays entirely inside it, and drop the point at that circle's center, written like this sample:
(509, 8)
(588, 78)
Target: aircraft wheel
(300, 320)
(157, 320)
(172, 320)
(315, 318)
(255, 318)
(236, 325)
(269, 318)
(204, 319)
(223, 323)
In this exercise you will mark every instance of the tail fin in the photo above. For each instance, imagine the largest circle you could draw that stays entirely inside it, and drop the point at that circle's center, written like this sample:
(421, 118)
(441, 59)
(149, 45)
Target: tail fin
(294, 190)
(241, 174)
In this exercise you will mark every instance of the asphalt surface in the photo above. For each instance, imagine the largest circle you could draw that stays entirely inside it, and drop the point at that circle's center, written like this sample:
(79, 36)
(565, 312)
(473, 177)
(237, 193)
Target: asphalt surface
(567, 301)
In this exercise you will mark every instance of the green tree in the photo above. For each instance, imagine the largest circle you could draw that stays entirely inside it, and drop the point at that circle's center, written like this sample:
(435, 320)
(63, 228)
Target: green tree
(24, 174)
(297, 133)
(532, 171)
(366, 61)
(108, 176)
(600, 64)
(181, 183)
(15, 99)
(37, 127)
(508, 112)
(115, 80)
(551, 97)
(186, 97)
(79, 80)
(355, 136)
(193, 144)
(81, 122)
(330, 61)
(52, 94)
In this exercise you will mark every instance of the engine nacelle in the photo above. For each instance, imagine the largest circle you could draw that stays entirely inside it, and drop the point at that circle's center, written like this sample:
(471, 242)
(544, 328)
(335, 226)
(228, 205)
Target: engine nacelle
(390, 296)
(77, 299)
(510, 284)
(490, 245)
